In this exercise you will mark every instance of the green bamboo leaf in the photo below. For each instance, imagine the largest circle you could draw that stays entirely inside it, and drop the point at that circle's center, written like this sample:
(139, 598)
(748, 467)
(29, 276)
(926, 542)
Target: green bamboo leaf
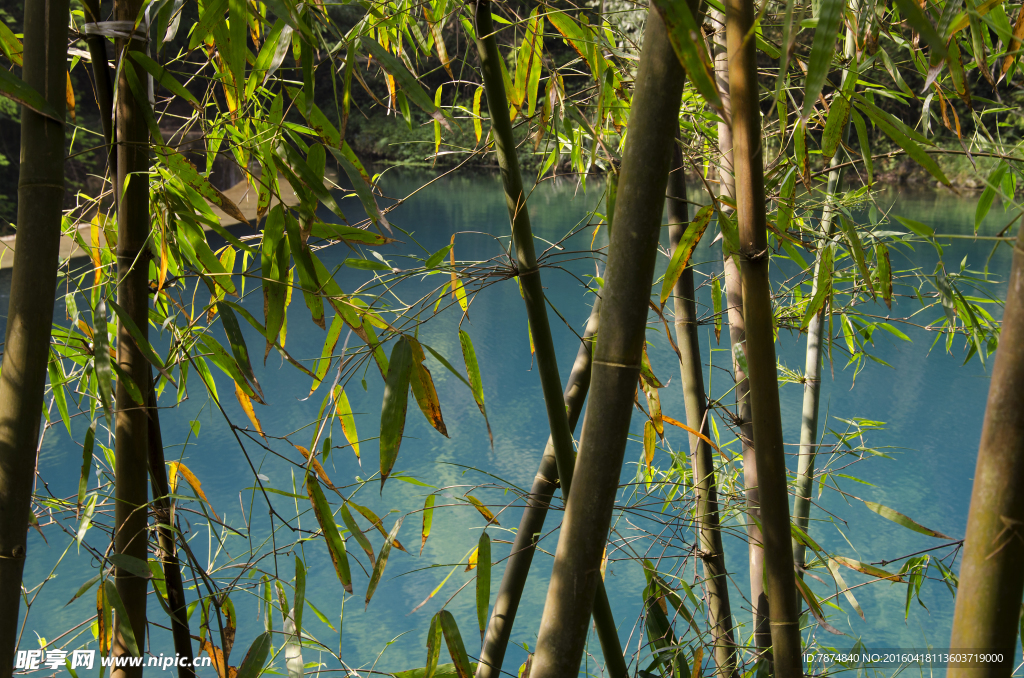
(824, 285)
(353, 527)
(884, 272)
(335, 545)
(348, 422)
(456, 648)
(18, 90)
(814, 606)
(483, 582)
(190, 176)
(129, 384)
(83, 589)
(406, 80)
(423, 389)
(101, 356)
(140, 341)
(56, 373)
(838, 114)
(850, 230)
(274, 262)
(920, 22)
(211, 14)
(533, 81)
(357, 174)
(956, 71)
(716, 302)
(226, 362)
(376, 522)
(442, 671)
(306, 177)
(823, 46)
(688, 44)
(906, 143)
(382, 561)
(988, 195)
(237, 342)
(433, 647)
(800, 154)
(204, 373)
(366, 264)
(307, 273)
(865, 144)
(575, 35)
(684, 250)
(164, 77)
(256, 657)
(10, 45)
(327, 352)
(392, 414)
(300, 593)
(473, 370)
(350, 234)
(87, 448)
(124, 626)
(441, 359)
(900, 519)
(428, 521)
(437, 257)
(271, 56)
(192, 241)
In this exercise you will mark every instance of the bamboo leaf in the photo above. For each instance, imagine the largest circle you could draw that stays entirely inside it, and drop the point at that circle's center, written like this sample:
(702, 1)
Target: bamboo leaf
(408, 82)
(716, 302)
(392, 414)
(10, 45)
(246, 404)
(350, 234)
(900, 519)
(357, 174)
(989, 194)
(434, 647)
(270, 58)
(824, 285)
(477, 120)
(483, 582)
(382, 561)
(814, 606)
(423, 389)
(650, 440)
(823, 46)
(256, 657)
(572, 32)
(376, 522)
(55, 372)
(833, 567)
(315, 465)
(838, 115)
(864, 568)
(335, 545)
(83, 589)
(688, 44)
(16, 89)
(307, 273)
(327, 352)
(164, 77)
(348, 422)
(923, 25)
(121, 620)
(441, 671)
(483, 510)
(190, 176)
(353, 527)
(456, 648)
(850, 230)
(473, 370)
(884, 272)
(906, 143)
(87, 449)
(684, 250)
(865, 144)
(428, 521)
(237, 342)
(176, 468)
(140, 341)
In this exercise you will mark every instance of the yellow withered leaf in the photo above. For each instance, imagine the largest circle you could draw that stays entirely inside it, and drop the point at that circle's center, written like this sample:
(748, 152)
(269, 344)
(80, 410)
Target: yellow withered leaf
(193, 482)
(316, 466)
(246, 404)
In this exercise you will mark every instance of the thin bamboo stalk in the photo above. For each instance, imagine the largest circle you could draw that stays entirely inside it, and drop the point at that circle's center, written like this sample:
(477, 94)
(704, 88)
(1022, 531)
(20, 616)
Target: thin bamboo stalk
(131, 445)
(30, 310)
(988, 601)
(517, 568)
(812, 361)
(101, 81)
(536, 310)
(733, 278)
(167, 555)
(760, 341)
(692, 375)
(632, 251)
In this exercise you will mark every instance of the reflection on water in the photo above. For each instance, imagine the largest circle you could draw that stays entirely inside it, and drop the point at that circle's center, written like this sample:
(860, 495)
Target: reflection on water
(932, 407)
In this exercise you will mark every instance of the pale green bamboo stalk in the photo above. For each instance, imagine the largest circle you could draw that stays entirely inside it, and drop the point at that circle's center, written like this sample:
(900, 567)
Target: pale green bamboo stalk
(691, 372)
(30, 310)
(632, 251)
(988, 601)
(131, 442)
(748, 157)
(536, 311)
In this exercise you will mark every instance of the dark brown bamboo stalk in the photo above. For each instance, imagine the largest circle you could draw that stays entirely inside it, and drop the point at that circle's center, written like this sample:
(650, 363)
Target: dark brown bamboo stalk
(632, 251)
(733, 279)
(517, 569)
(131, 443)
(760, 342)
(988, 601)
(101, 79)
(536, 310)
(30, 310)
(692, 374)
(167, 555)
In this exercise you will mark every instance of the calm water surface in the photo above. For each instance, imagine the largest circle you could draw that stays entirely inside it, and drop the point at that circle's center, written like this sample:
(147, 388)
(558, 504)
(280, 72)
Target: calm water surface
(931, 404)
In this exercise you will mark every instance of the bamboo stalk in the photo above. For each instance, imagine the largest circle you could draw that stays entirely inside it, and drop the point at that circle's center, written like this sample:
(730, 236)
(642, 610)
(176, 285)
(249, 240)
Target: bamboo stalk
(632, 252)
(988, 601)
(692, 374)
(733, 278)
(30, 310)
(164, 515)
(97, 45)
(517, 569)
(760, 340)
(536, 311)
(130, 428)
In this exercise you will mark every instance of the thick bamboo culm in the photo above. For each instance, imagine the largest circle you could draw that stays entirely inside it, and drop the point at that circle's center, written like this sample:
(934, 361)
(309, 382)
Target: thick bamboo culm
(632, 252)
(131, 443)
(101, 82)
(691, 372)
(733, 279)
(30, 310)
(988, 601)
(748, 161)
(536, 311)
(167, 555)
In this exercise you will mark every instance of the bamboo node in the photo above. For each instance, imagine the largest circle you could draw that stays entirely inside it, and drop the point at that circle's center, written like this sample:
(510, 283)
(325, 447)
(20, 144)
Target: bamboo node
(618, 365)
(17, 553)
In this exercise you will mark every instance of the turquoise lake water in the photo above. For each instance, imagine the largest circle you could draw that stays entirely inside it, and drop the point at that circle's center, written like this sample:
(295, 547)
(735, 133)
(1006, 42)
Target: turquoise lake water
(931, 404)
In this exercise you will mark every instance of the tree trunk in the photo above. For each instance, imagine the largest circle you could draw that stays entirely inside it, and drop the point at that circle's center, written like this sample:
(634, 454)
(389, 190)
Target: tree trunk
(692, 374)
(164, 515)
(632, 252)
(988, 601)
(517, 569)
(536, 311)
(760, 343)
(101, 79)
(130, 428)
(733, 279)
(30, 310)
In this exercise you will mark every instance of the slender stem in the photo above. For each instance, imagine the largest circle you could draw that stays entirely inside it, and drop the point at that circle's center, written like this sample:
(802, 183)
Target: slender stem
(30, 310)
(733, 278)
(536, 310)
(692, 375)
(130, 429)
(760, 342)
(632, 252)
(101, 76)
(163, 510)
(988, 601)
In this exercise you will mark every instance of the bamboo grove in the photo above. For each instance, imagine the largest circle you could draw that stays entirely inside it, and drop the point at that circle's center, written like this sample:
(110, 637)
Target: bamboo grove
(760, 130)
